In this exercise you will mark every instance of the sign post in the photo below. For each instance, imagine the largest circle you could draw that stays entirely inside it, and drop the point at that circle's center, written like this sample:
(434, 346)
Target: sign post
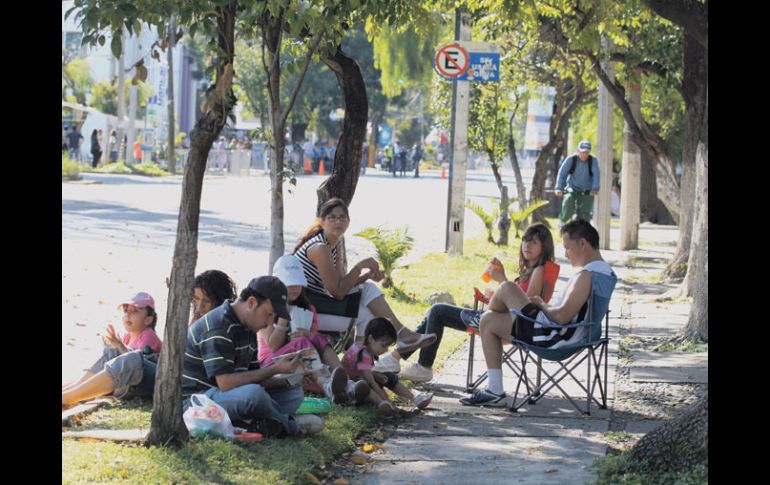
(462, 61)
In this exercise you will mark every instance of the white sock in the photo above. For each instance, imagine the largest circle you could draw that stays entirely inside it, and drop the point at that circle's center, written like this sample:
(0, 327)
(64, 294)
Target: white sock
(495, 380)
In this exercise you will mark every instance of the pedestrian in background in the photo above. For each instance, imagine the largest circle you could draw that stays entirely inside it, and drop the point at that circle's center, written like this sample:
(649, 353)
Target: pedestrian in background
(578, 178)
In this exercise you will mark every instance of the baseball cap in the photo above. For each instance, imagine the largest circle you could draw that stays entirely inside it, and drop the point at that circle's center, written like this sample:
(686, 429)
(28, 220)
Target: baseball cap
(288, 269)
(140, 300)
(584, 146)
(273, 289)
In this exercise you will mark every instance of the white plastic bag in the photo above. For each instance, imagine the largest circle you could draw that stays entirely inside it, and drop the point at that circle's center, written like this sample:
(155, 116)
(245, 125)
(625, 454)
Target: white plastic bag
(204, 416)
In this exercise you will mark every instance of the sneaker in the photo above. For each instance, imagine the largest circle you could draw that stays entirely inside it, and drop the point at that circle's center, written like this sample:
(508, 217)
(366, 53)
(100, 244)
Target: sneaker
(485, 398)
(335, 386)
(309, 424)
(471, 318)
(387, 363)
(415, 341)
(423, 400)
(358, 391)
(386, 408)
(417, 373)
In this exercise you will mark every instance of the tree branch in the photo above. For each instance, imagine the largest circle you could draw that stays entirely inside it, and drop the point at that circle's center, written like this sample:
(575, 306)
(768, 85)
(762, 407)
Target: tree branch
(311, 50)
(691, 15)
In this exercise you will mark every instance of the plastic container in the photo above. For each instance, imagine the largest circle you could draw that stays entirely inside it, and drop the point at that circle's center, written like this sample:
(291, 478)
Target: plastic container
(314, 405)
(486, 276)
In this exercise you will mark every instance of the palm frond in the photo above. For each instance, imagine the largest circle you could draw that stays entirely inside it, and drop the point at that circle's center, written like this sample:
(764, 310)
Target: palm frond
(520, 217)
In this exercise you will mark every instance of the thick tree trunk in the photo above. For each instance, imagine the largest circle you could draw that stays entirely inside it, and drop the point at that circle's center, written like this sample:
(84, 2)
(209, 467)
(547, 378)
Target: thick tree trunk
(167, 427)
(679, 444)
(694, 83)
(698, 272)
(344, 177)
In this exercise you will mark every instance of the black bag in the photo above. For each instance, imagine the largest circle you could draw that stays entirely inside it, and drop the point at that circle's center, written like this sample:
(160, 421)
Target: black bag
(347, 307)
(574, 162)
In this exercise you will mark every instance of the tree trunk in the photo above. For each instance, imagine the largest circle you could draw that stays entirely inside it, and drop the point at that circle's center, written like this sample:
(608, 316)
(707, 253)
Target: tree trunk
(648, 192)
(167, 427)
(171, 119)
(562, 112)
(272, 40)
(374, 139)
(521, 191)
(698, 272)
(344, 177)
(651, 144)
(679, 444)
(693, 85)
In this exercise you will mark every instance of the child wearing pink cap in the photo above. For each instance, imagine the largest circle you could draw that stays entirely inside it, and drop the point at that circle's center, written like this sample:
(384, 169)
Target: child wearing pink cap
(139, 320)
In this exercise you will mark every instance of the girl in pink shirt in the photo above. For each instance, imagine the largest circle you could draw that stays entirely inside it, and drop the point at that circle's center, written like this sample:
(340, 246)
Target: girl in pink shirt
(139, 320)
(359, 362)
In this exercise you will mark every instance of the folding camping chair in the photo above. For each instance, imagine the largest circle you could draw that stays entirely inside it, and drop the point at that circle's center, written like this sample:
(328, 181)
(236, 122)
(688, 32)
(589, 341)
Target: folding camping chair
(479, 301)
(594, 347)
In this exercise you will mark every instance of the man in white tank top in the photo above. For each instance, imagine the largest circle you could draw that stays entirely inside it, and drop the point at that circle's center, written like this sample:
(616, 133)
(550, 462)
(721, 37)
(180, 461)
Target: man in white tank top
(581, 247)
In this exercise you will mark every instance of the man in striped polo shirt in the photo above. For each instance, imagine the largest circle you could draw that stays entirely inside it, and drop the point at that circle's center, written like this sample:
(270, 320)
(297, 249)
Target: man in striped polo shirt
(221, 361)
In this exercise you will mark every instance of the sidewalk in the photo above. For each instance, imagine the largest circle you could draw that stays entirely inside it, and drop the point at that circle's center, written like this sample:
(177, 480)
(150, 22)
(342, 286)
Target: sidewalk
(550, 443)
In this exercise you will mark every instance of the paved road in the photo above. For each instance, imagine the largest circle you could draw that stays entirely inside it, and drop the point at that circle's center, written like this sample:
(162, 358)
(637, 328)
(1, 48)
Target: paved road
(118, 235)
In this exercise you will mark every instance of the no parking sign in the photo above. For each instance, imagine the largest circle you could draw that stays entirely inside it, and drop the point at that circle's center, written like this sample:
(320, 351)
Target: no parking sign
(468, 61)
(451, 60)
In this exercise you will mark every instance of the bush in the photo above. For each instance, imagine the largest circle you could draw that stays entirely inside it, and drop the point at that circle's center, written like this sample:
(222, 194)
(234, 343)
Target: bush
(117, 167)
(70, 169)
(148, 168)
(390, 245)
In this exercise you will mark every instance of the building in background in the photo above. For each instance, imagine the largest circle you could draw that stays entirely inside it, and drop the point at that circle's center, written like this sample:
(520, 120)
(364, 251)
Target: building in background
(103, 66)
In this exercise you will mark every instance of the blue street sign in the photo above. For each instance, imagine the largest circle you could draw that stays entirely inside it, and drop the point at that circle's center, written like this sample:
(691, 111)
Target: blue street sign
(483, 66)
(386, 134)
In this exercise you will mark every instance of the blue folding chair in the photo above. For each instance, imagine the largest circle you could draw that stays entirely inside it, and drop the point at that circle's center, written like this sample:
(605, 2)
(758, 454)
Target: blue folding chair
(594, 346)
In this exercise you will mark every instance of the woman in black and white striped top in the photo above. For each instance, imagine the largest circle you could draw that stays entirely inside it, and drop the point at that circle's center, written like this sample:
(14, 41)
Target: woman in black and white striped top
(325, 268)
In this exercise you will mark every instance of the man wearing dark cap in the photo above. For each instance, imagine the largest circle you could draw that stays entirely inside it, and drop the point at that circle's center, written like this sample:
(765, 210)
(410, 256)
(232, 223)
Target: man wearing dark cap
(221, 361)
(578, 178)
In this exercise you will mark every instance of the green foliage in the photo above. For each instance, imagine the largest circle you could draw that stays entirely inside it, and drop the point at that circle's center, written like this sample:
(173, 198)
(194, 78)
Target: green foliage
(70, 169)
(487, 123)
(75, 75)
(150, 169)
(487, 218)
(520, 217)
(621, 469)
(104, 96)
(117, 167)
(389, 244)
(403, 54)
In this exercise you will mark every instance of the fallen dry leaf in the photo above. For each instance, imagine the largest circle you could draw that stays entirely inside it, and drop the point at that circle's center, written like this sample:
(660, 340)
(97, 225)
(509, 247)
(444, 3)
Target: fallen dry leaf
(312, 478)
(358, 459)
(341, 481)
(369, 448)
